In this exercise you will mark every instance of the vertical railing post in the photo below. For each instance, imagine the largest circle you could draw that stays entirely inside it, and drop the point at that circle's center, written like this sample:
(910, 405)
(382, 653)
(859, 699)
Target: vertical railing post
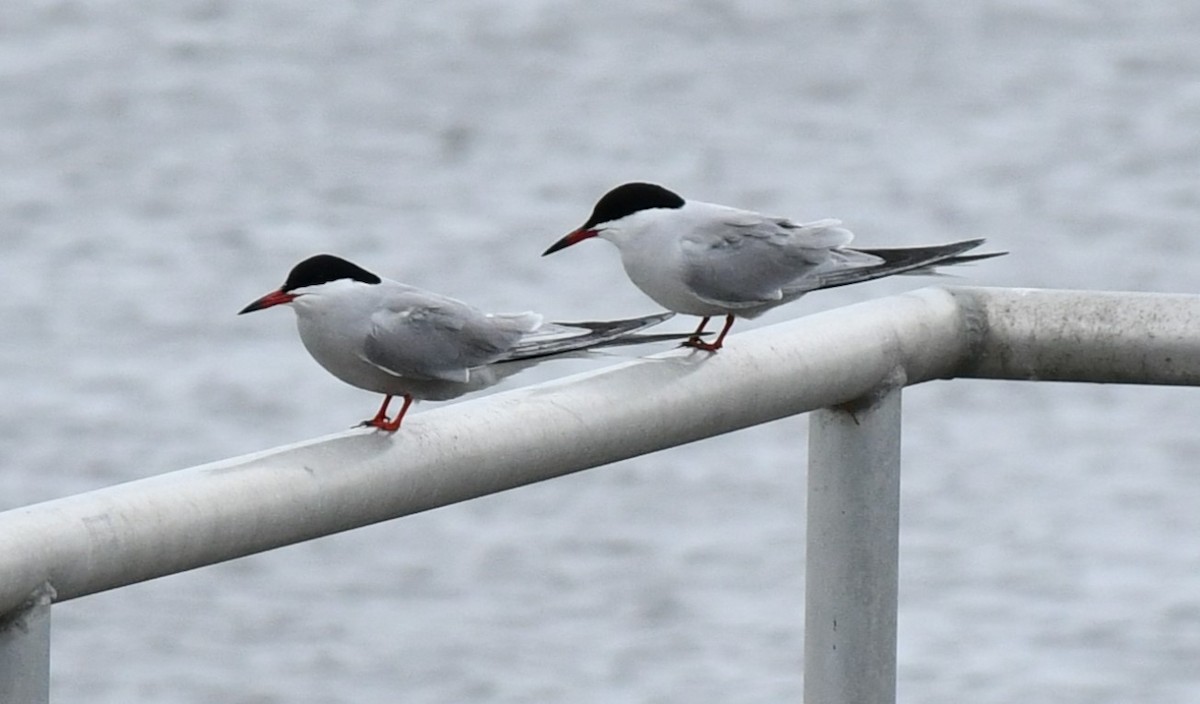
(25, 650)
(853, 552)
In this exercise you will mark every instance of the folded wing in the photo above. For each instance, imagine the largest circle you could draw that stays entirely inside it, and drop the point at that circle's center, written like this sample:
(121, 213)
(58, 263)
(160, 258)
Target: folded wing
(442, 339)
(750, 259)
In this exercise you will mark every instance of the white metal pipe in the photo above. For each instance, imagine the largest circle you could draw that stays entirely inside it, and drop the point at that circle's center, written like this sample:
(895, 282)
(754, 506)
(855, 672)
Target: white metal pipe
(25, 650)
(852, 554)
(1094, 336)
(220, 511)
(189, 518)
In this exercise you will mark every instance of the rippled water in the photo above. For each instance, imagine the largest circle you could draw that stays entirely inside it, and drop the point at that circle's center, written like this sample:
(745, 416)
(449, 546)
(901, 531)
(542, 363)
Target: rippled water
(162, 164)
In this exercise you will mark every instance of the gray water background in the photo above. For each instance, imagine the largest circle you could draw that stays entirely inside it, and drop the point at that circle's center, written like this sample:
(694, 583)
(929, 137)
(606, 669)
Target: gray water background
(162, 164)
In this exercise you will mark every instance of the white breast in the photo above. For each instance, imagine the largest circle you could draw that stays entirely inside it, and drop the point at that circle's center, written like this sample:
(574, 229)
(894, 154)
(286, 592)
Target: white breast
(651, 246)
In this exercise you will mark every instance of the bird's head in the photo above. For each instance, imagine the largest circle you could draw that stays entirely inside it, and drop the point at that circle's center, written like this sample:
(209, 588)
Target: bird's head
(616, 205)
(309, 274)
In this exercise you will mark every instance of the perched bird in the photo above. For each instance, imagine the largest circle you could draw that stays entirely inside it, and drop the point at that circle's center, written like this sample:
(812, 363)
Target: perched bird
(708, 260)
(397, 340)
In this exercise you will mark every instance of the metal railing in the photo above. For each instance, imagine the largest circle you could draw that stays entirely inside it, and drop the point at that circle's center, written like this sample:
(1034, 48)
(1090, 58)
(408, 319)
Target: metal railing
(849, 365)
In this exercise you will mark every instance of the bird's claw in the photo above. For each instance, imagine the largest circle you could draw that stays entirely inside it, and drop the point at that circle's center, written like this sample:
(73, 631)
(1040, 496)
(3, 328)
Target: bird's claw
(699, 344)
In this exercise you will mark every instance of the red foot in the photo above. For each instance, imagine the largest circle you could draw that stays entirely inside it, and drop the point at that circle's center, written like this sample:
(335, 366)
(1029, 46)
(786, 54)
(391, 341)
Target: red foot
(385, 424)
(382, 422)
(699, 344)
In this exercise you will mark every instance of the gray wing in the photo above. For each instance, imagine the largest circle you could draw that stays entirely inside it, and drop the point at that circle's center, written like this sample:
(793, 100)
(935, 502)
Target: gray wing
(751, 259)
(432, 337)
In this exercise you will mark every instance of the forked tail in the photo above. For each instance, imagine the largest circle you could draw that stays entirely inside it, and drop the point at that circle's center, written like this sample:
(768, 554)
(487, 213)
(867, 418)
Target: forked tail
(909, 261)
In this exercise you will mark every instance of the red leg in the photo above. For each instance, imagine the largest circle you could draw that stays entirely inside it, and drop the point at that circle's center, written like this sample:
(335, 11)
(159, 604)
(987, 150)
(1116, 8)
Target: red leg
(715, 345)
(394, 425)
(381, 417)
(695, 337)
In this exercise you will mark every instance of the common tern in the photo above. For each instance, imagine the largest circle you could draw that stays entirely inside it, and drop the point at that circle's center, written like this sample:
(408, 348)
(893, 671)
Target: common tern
(710, 260)
(398, 340)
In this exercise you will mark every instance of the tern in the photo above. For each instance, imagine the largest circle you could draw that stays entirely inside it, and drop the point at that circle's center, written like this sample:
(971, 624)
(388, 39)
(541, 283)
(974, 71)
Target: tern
(398, 340)
(711, 260)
